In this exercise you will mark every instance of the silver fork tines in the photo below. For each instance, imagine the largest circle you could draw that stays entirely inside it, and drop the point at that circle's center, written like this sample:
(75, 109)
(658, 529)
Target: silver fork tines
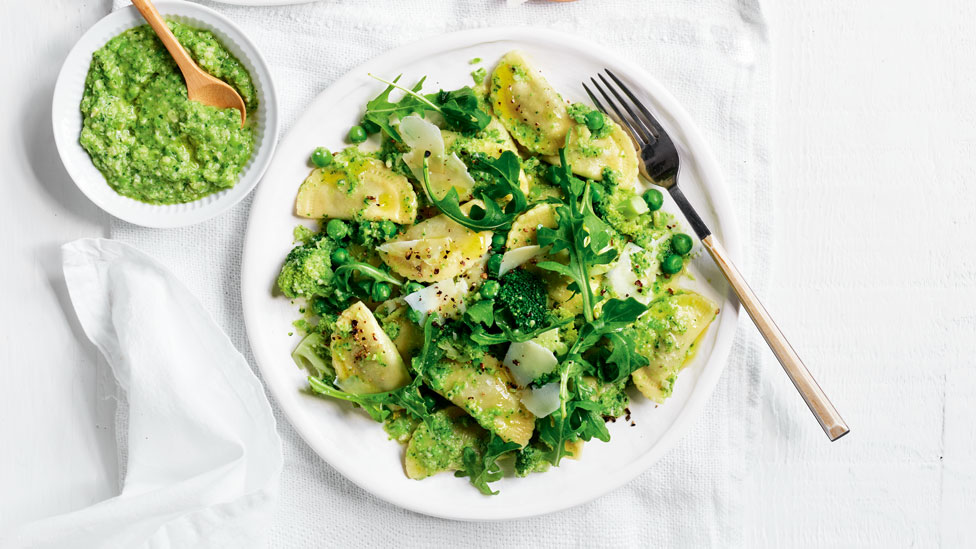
(657, 151)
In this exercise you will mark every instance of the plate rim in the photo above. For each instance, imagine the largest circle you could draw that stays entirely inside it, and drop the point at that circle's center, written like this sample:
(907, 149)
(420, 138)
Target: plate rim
(712, 182)
(155, 215)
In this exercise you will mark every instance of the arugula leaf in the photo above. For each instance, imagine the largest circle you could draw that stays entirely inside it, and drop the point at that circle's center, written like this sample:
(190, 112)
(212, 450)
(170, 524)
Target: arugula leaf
(481, 312)
(510, 335)
(374, 404)
(345, 271)
(576, 418)
(430, 353)
(580, 417)
(459, 108)
(347, 286)
(490, 216)
(617, 314)
(380, 109)
(504, 171)
(622, 360)
(580, 232)
(482, 469)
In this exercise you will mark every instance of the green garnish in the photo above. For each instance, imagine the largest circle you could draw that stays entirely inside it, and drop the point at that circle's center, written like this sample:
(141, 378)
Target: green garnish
(344, 272)
(482, 469)
(460, 108)
(580, 232)
(587, 240)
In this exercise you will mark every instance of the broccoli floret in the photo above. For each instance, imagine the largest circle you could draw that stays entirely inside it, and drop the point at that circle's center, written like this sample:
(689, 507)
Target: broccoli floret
(313, 355)
(524, 295)
(531, 459)
(307, 271)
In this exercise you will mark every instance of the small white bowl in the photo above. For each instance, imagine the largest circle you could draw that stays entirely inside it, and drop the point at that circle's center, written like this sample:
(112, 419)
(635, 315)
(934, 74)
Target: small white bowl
(67, 118)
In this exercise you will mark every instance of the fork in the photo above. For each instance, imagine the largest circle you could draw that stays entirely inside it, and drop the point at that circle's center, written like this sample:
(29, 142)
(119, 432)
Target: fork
(660, 161)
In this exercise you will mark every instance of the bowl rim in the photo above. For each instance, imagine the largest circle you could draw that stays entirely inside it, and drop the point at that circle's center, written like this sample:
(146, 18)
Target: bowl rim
(712, 181)
(90, 180)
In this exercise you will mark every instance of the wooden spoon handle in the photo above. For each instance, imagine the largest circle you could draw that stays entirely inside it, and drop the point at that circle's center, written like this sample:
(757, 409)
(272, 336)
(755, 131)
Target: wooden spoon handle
(811, 392)
(149, 12)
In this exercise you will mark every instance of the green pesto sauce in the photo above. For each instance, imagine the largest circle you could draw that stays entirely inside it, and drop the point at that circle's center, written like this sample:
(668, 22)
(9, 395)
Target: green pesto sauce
(479, 75)
(149, 141)
(400, 426)
(438, 445)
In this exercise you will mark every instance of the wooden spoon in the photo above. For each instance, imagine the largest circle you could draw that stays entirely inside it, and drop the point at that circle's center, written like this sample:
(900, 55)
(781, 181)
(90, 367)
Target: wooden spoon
(200, 86)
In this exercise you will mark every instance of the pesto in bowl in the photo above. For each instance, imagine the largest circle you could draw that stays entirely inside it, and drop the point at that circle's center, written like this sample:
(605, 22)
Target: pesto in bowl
(150, 142)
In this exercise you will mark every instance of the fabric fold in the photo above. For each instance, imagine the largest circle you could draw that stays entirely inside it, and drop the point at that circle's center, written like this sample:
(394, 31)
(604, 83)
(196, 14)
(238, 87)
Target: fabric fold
(203, 454)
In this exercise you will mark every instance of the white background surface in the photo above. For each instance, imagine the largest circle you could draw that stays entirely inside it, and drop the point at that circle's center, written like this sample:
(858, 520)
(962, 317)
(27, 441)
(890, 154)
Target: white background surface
(873, 278)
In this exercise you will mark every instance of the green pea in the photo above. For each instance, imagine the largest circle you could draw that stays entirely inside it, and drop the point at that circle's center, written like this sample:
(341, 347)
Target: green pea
(498, 241)
(336, 229)
(381, 291)
(672, 264)
(388, 229)
(654, 199)
(411, 287)
(594, 120)
(321, 157)
(490, 289)
(681, 244)
(494, 264)
(340, 256)
(357, 134)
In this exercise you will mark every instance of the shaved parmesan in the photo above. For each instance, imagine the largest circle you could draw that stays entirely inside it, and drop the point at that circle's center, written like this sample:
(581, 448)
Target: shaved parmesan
(543, 400)
(527, 360)
(627, 280)
(519, 256)
(420, 134)
(446, 171)
(444, 299)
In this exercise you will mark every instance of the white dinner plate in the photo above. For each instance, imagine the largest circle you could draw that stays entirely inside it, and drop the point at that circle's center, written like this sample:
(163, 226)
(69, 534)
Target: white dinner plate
(67, 118)
(358, 447)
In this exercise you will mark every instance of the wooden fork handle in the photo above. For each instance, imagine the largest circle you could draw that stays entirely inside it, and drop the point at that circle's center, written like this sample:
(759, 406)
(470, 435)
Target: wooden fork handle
(149, 12)
(811, 392)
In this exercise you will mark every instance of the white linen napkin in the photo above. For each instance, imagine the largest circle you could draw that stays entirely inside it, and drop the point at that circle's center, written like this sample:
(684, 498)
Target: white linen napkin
(713, 55)
(203, 456)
